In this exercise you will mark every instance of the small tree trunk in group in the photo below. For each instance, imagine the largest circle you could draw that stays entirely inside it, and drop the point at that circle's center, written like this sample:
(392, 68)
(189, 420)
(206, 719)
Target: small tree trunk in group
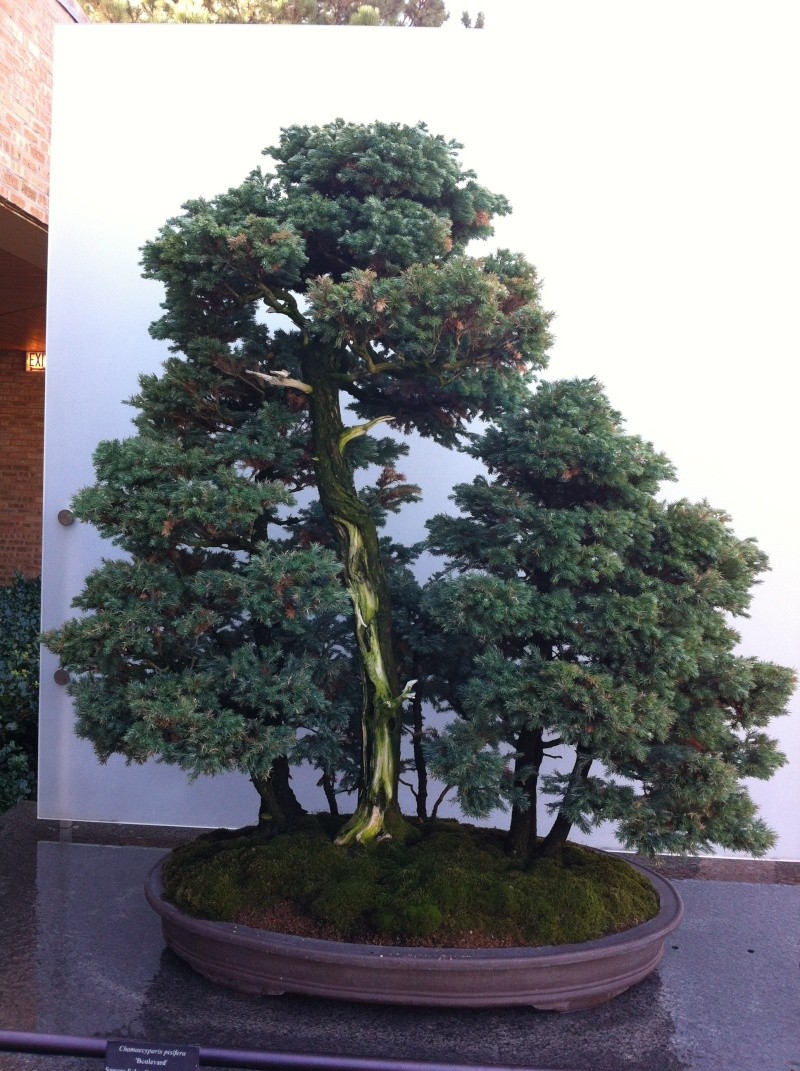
(377, 814)
(521, 839)
(420, 764)
(327, 786)
(279, 807)
(555, 840)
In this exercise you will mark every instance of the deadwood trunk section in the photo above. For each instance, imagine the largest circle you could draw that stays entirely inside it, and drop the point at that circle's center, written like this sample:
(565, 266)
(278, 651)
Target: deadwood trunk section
(377, 814)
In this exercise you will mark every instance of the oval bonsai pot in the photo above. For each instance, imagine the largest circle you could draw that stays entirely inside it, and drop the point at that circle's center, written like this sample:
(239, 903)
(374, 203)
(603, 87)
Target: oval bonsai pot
(555, 978)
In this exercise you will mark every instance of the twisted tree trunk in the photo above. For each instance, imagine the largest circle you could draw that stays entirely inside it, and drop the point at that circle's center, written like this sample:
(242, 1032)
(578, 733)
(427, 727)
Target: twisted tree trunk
(377, 814)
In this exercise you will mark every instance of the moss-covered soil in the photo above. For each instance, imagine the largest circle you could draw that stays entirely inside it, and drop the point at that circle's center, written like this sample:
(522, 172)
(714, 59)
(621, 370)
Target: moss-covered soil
(453, 887)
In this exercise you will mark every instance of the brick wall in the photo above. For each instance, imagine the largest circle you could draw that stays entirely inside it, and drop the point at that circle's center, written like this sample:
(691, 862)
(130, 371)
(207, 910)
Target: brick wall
(26, 87)
(21, 454)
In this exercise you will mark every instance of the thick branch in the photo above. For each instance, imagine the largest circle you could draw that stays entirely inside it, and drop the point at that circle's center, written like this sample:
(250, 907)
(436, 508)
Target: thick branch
(374, 366)
(280, 378)
(358, 430)
(282, 301)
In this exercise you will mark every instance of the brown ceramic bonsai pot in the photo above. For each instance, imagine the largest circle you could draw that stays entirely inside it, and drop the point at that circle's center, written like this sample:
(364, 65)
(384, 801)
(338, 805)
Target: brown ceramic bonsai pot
(556, 978)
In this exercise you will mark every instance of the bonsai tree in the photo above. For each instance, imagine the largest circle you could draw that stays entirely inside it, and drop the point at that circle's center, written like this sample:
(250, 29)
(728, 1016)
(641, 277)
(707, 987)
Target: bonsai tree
(246, 631)
(599, 619)
(342, 278)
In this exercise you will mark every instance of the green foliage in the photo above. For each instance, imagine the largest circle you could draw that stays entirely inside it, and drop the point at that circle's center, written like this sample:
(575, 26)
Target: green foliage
(17, 772)
(600, 622)
(447, 886)
(317, 12)
(210, 670)
(19, 689)
(466, 20)
(201, 648)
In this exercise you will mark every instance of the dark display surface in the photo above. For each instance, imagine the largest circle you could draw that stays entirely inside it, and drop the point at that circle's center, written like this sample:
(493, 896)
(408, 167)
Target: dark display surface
(81, 954)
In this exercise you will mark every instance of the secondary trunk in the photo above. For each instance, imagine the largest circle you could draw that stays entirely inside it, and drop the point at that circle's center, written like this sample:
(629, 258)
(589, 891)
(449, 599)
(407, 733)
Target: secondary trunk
(279, 806)
(555, 840)
(521, 839)
(377, 814)
(420, 765)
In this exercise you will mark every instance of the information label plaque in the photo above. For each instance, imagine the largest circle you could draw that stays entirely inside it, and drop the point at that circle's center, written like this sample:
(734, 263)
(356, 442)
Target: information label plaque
(149, 1056)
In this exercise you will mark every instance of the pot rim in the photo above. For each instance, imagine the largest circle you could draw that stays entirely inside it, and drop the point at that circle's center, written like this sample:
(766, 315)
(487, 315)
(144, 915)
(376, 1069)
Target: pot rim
(661, 925)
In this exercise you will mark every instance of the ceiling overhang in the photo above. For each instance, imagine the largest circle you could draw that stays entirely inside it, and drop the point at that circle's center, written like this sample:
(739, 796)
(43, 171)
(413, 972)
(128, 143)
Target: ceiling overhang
(23, 280)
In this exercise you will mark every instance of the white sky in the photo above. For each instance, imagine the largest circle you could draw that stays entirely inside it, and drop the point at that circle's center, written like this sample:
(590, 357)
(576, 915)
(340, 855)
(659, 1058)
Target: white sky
(650, 154)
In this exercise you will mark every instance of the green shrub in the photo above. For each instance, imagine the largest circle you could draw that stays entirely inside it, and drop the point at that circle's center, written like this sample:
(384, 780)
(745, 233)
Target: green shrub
(19, 689)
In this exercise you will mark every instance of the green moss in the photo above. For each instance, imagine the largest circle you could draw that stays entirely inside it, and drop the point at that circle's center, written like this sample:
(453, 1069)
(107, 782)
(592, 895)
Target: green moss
(455, 880)
(344, 903)
(408, 920)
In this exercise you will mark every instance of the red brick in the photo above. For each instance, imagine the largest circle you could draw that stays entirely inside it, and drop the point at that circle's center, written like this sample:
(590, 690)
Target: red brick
(21, 450)
(26, 54)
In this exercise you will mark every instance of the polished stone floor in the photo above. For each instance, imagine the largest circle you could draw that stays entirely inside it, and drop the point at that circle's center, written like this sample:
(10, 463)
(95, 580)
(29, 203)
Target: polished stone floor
(81, 954)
